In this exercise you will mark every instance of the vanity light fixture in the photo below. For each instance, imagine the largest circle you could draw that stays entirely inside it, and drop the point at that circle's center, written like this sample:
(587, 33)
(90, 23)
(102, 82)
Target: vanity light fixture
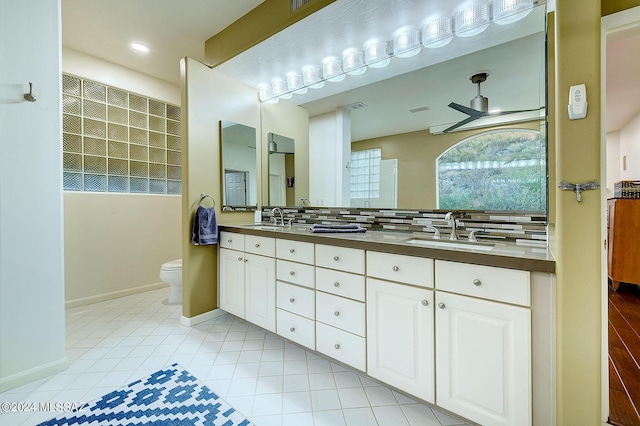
(279, 87)
(406, 42)
(312, 77)
(509, 11)
(376, 54)
(332, 69)
(139, 47)
(472, 19)
(353, 62)
(295, 84)
(437, 32)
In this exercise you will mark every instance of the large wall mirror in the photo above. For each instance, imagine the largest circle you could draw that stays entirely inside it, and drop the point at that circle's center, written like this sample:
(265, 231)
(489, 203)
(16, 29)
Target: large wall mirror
(400, 116)
(239, 166)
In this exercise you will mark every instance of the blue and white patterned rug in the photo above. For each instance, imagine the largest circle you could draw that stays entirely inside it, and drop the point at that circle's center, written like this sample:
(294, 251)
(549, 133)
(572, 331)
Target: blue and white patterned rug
(170, 396)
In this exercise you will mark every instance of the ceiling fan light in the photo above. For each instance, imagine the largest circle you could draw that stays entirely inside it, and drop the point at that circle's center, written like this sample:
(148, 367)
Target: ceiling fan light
(437, 33)
(407, 42)
(376, 54)
(295, 84)
(353, 62)
(509, 11)
(312, 78)
(332, 69)
(472, 20)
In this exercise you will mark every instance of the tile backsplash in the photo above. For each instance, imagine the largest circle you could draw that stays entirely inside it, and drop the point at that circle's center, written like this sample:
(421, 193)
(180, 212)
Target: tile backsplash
(528, 228)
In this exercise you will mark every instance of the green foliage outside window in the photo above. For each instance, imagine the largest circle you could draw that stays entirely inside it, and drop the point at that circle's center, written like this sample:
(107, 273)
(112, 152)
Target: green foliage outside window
(498, 170)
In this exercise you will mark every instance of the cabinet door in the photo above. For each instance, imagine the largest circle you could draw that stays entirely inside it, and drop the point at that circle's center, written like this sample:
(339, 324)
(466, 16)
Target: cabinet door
(400, 337)
(231, 282)
(260, 286)
(483, 360)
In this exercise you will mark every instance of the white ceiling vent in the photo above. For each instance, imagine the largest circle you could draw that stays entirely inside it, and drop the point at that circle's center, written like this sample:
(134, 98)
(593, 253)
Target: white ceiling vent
(297, 4)
(357, 105)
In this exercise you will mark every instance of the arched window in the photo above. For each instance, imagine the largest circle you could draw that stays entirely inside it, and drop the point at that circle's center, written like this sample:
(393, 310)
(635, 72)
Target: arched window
(496, 170)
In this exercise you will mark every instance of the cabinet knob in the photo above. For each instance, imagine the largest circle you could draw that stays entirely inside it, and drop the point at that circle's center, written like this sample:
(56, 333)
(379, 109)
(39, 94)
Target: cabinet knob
(229, 240)
(257, 245)
(336, 284)
(337, 346)
(240, 259)
(336, 313)
(441, 305)
(425, 303)
(336, 258)
(291, 251)
(477, 282)
(246, 260)
(292, 329)
(395, 269)
(292, 272)
(292, 300)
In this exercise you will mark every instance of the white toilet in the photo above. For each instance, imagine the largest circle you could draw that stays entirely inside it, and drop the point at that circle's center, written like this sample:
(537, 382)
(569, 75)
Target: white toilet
(171, 273)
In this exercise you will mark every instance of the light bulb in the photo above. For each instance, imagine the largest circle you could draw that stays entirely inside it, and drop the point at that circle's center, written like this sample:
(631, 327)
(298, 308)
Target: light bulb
(294, 84)
(406, 42)
(472, 20)
(437, 33)
(311, 77)
(509, 11)
(332, 69)
(376, 54)
(353, 62)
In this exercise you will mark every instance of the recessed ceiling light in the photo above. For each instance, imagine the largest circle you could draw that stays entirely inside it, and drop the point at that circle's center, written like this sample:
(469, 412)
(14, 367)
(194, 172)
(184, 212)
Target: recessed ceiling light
(139, 47)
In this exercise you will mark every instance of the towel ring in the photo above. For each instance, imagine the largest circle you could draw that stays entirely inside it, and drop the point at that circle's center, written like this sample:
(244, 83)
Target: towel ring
(205, 195)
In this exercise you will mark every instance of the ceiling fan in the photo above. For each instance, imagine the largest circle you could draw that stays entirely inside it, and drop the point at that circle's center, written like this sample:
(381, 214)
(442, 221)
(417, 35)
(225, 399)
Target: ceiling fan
(479, 105)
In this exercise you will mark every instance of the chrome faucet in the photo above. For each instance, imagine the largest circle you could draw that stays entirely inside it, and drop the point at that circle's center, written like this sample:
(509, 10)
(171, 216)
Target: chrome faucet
(278, 210)
(452, 221)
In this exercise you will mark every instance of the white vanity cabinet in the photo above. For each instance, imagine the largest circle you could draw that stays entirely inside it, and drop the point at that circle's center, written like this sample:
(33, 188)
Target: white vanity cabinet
(247, 278)
(400, 322)
(483, 347)
(296, 299)
(340, 309)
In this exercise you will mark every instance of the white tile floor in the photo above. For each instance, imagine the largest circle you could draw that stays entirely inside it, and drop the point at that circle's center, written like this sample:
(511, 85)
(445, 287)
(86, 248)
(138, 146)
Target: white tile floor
(269, 380)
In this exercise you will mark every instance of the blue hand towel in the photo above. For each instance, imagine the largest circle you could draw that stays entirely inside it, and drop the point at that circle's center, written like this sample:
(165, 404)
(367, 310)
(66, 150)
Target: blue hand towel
(205, 227)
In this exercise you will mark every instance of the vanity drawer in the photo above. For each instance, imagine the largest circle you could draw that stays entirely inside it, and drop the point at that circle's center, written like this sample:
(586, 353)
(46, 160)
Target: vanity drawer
(340, 258)
(487, 282)
(340, 283)
(297, 300)
(343, 346)
(264, 246)
(296, 328)
(295, 251)
(400, 268)
(345, 314)
(231, 240)
(296, 273)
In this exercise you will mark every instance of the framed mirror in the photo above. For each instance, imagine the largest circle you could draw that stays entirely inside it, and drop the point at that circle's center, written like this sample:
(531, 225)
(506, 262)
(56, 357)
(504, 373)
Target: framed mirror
(239, 166)
(281, 170)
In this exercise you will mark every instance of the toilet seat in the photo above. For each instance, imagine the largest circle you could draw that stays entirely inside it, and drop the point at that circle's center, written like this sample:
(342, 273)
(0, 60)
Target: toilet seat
(172, 265)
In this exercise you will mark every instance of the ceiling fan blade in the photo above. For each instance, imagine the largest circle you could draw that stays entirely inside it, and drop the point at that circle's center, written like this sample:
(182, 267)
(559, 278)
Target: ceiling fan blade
(513, 112)
(466, 110)
(460, 123)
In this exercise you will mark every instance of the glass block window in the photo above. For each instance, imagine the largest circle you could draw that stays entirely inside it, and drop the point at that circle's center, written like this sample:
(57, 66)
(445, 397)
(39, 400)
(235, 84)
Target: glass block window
(365, 173)
(116, 141)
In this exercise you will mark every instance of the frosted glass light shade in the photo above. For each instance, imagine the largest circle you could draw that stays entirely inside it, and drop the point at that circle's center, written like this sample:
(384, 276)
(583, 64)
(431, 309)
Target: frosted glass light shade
(437, 33)
(353, 62)
(509, 11)
(376, 54)
(280, 89)
(406, 42)
(264, 92)
(472, 20)
(332, 69)
(311, 77)
(295, 85)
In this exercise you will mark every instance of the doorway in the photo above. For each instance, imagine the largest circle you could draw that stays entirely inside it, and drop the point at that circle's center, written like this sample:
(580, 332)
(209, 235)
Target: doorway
(235, 187)
(621, 120)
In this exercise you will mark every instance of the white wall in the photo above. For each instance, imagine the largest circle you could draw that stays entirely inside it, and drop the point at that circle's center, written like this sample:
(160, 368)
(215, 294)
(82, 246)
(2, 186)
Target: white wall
(630, 147)
(614, 161)
(116, 243)
(31, 237)
(329, 153)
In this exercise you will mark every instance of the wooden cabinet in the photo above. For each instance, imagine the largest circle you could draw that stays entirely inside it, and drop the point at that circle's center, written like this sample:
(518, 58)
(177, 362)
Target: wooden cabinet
(247, 284)
(623, 228)
(400, 337)
(483, 347)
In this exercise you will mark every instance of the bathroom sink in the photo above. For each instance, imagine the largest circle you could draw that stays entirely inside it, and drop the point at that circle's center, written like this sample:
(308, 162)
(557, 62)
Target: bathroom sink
(458, 244)
(268, 227)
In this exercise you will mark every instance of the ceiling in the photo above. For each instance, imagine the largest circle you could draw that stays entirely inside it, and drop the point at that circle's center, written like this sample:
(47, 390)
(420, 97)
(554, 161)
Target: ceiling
(175, 29)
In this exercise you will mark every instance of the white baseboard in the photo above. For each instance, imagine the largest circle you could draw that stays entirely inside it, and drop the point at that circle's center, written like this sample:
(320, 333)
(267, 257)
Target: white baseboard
(190, 322)
(113, 295)
(33, 374)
